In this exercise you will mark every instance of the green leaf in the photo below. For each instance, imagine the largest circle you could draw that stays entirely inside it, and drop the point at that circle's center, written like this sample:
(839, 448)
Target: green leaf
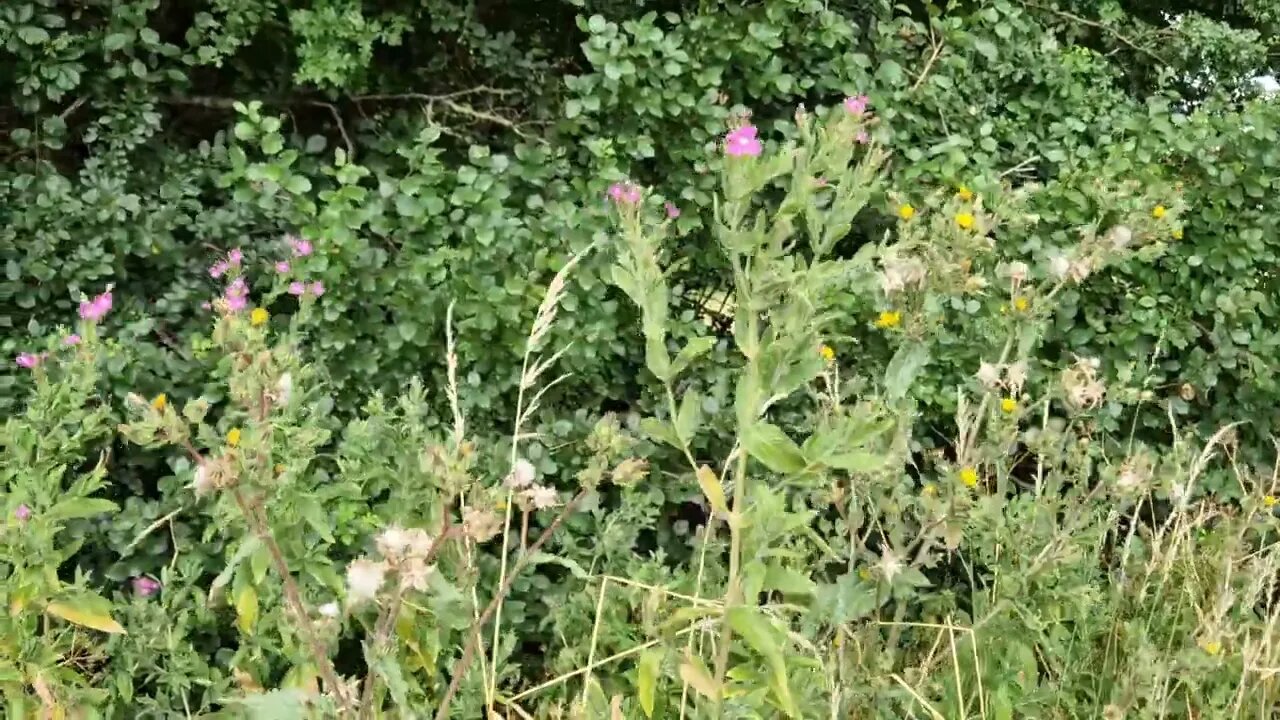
(647, 678)
(86, 610)
(855, 461)
(694, 349)
(115, 41)
(275, 705)
(247, 547)
(695, 673)
(246, 608)
(903, 368)
(659, 431)
(768, 444)
(788, 581)
(689, 415)
(81, 508)
(755, 629)
(32, 35)
(889, 73)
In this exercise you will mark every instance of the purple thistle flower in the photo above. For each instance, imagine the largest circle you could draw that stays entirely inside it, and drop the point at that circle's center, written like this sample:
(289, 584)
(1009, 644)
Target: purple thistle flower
(301, 248)
(856, 105)
(218, 269)
(23, 513)
(673, 212)
(145, 586)
(71, 340)
(97, 308)
(27, 360)
(235, 257)
(282, 267)
(317, 288)
(297, 288)
(742, 142)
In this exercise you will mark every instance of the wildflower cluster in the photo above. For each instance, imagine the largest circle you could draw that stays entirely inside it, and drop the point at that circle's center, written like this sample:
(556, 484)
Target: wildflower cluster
(407, 556)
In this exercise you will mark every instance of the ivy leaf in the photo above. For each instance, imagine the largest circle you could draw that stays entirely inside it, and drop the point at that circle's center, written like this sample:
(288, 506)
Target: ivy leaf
(768, 444)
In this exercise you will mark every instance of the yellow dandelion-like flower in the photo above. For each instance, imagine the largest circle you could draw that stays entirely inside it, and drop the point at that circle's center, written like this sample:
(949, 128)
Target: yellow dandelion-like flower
(1021, 304)
(864, 573)
(1177, 234)
(1158, 212)
(827, 353)
(906, 212)
(1212, 647)
(929, 490)
(159, 402)
(964, 193)
(278, 468)
(233, 437)
(1008, 405)
(1270, 501)
(889, 319)
(969, 477)
(258, 316)
(965, 221)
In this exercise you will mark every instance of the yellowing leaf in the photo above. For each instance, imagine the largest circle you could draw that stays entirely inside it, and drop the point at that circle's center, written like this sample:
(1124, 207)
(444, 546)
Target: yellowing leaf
(647, 678)
(693, 672)
(246, 609)
(711, 487)
(78, 614)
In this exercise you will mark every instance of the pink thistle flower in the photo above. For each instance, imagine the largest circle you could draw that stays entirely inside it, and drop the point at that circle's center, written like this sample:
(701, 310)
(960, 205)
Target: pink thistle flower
(97, 308)
(71, 340)
(616, 191)
(218, 269)
(235, 303)
(23, 513)
(856, 105)
(145, 586)
(236, 296)
(301, 248)
(297, 288)
(28, 361)
(235, 257)
(673, 212)
(624, 193)
(282, 267)
(317, 288)
(742, 142)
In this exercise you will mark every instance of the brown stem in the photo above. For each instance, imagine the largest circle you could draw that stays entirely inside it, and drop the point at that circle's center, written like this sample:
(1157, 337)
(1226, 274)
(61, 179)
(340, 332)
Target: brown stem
(293, 597)
(469, 652)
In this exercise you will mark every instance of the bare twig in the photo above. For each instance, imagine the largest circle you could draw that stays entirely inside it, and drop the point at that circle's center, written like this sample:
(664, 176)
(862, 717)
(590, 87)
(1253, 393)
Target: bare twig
(937, 50)
(473, 641)
(1094, 24)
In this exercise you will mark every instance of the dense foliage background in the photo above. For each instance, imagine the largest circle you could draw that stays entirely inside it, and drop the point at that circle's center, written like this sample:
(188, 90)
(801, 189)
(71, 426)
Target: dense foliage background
(459, 152)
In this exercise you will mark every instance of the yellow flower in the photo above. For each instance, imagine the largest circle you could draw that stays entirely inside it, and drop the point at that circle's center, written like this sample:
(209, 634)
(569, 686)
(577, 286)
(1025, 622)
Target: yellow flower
(278, 468)
(1158, 212)
(233, 437)
(827, 353)
(889, 319)
(1177, 234)
(929, 490)
(1021, 304)
(1008, 405)
(969, 477)
(906, 212)
(159, 402)
(1269, 501)
(258, 316)
(1212, 647)
(864, 573)
(964, 193)
(965, 221)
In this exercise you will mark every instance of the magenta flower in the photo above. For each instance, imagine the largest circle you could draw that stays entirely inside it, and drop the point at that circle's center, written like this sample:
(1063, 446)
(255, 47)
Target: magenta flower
(616, 192)
(23, 513)
(624, 193)
(71, 340)
(235, 257)
(236, 296)
(282, 267)
(856, 105)
(317, 288)
(301, 248)
(97, 308)
(218, 269)
(673, 212)
(297, 288)
(27, 360)
(145, 586)
(742, 142)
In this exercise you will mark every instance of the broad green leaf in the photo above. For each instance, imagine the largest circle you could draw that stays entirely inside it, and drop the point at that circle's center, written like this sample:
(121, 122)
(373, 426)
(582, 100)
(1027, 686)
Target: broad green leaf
(86, 611)
(756, 630)
(768, 444)
(247, 547)
(786, 580)
(647, 671)
(275, 705)
(689, 415)
(855, 461)
(712, 489)
(659, 431)
(80, 508)
(694, 349)
(903, 368)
